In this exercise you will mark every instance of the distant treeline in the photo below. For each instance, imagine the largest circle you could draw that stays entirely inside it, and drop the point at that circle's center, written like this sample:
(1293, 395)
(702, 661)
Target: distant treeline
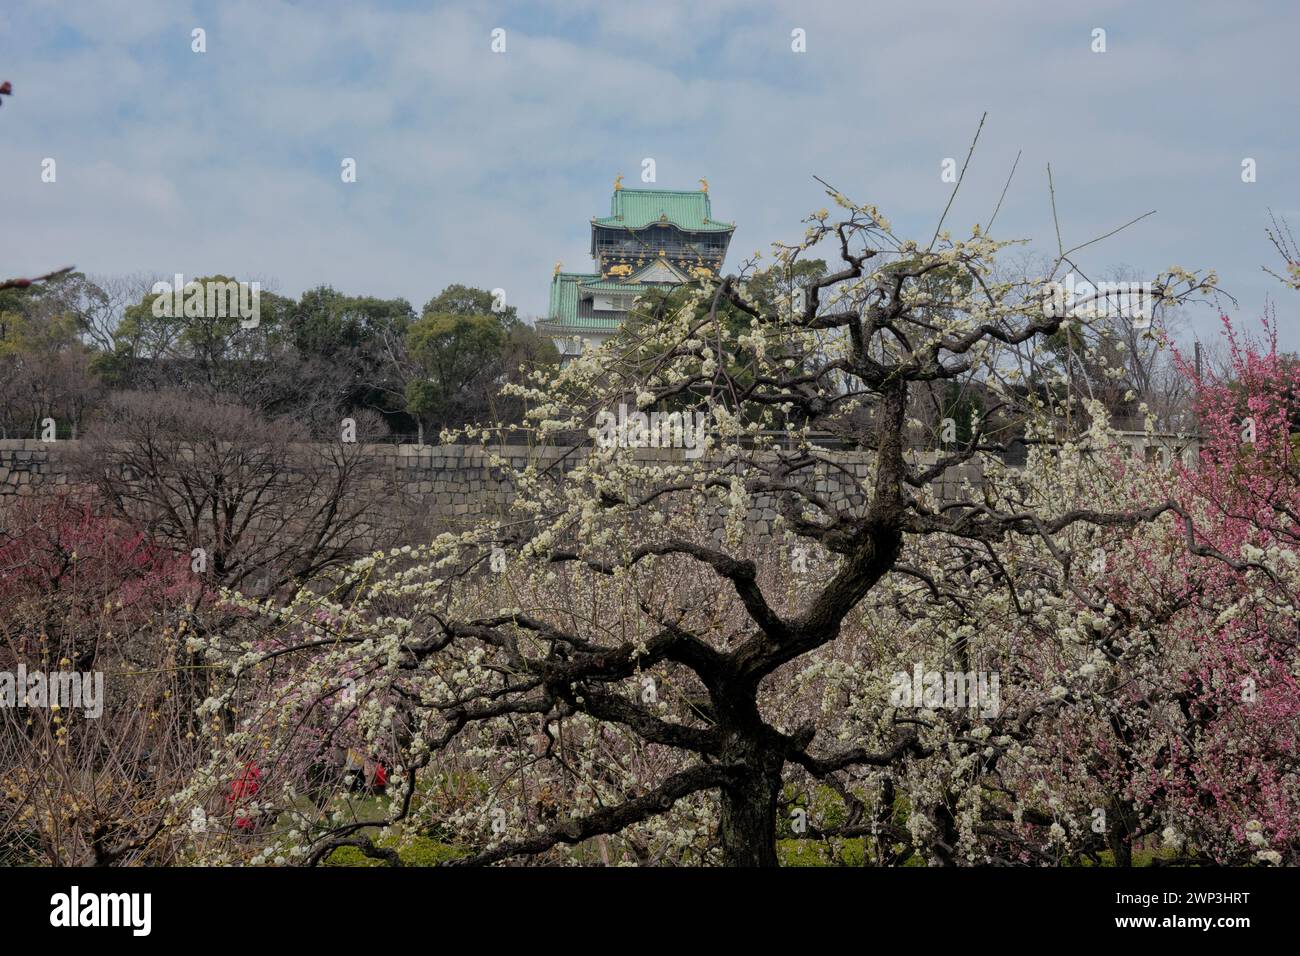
(66, 345)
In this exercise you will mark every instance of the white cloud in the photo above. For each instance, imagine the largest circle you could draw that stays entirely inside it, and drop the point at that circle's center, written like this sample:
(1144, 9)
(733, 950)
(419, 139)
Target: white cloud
(485, 168)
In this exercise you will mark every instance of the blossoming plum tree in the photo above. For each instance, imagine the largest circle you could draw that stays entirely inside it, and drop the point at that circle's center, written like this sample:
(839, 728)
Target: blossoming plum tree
(84, 593)
(1234, 787)
(654, 654)
(1172, 653)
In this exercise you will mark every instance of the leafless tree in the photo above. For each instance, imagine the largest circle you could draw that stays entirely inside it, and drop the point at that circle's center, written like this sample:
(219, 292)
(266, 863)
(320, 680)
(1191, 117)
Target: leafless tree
(260, 508)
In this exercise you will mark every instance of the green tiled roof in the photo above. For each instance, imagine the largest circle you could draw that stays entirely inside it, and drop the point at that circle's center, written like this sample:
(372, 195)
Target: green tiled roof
(638, 208)
(578, 324)
(614, 285)
(564, 295)
(565, 289)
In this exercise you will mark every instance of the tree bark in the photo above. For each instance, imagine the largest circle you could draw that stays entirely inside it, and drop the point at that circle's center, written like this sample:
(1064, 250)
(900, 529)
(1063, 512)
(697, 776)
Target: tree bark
(1119, 835)
(748, 825)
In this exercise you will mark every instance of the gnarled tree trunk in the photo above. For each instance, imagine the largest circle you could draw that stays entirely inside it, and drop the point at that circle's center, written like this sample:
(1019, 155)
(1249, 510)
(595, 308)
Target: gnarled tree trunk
(748, 823)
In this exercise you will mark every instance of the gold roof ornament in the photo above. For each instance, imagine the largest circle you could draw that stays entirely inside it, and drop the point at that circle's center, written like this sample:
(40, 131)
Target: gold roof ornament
(704, 185)
(558, 267)
(618, 183)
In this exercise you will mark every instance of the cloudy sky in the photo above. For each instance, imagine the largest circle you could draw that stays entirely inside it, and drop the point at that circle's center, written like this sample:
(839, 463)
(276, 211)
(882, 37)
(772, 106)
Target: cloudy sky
(485, 168)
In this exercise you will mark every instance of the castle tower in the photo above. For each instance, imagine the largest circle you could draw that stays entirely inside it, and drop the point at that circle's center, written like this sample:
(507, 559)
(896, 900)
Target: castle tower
(652, 238)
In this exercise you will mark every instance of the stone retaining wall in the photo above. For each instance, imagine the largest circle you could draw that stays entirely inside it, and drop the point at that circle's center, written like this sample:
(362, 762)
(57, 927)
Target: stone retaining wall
(455, 484)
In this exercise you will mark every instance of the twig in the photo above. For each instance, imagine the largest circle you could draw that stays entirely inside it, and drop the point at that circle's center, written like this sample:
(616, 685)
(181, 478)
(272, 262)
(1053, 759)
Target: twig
(24, 283)
(1109, 234)
(1051, 190)
(957, 185)
(989, 227)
